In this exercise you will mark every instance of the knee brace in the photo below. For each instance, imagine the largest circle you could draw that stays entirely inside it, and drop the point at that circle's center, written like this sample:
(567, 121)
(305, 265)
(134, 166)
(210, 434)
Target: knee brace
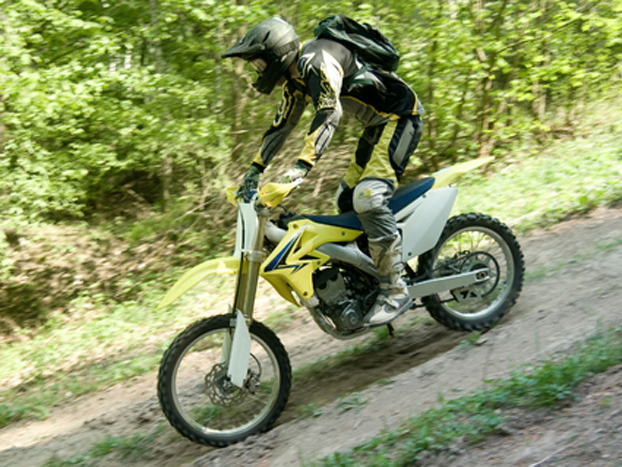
(370, 200)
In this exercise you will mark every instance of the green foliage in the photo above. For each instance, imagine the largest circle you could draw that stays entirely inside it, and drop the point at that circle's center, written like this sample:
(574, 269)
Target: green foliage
(92, 110)
(118, 106)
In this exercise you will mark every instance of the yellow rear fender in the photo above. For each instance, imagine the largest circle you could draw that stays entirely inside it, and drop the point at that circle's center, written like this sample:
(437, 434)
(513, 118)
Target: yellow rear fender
(228, 265)
(445, 177)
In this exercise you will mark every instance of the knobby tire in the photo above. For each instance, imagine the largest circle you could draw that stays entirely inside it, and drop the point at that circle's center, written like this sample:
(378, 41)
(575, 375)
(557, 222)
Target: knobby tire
(177, 351)
(455, 226)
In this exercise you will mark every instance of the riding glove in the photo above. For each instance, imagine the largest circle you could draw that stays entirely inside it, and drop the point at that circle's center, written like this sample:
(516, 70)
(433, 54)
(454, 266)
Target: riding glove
(249, 184)
(300, 171)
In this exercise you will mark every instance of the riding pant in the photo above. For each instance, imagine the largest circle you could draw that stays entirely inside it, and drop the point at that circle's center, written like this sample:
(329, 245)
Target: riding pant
(374, 173)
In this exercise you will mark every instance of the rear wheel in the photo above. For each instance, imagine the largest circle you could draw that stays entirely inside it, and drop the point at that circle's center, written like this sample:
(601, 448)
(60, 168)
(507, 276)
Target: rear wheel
(468, 243)
(199, 399)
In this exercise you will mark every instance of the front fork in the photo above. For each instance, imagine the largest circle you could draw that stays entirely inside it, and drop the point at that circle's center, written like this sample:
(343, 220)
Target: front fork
(237, 351)
(248, 276)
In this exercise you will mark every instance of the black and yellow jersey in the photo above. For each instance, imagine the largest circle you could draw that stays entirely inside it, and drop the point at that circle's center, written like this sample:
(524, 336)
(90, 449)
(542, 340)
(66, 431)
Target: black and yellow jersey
(335, 81)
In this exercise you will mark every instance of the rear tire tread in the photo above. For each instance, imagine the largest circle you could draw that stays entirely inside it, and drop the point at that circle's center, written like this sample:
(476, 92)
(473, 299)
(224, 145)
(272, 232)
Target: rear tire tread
(433, 303)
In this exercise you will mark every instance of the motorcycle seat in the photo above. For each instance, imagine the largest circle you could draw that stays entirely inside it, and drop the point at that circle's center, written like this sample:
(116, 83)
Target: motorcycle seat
(403, 197)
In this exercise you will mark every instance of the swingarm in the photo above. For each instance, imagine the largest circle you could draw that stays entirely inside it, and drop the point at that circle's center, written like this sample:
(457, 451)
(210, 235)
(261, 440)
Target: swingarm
(453, 283)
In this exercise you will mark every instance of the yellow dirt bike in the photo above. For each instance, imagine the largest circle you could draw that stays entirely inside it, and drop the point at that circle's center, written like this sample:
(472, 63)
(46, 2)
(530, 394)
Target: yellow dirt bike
(227, 377)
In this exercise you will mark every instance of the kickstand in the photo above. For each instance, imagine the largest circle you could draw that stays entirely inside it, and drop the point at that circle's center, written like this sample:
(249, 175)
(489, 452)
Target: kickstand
(391, 329)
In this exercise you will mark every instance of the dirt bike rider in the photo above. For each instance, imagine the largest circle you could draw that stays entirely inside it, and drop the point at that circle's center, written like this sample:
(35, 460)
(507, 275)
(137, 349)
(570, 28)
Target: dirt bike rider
(331, 76)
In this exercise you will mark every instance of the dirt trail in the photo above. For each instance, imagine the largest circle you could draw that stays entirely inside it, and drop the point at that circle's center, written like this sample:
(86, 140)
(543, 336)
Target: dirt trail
(574, 289)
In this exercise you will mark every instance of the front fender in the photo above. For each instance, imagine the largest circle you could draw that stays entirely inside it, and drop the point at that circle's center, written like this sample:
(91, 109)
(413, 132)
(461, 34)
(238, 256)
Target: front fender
(228, 265)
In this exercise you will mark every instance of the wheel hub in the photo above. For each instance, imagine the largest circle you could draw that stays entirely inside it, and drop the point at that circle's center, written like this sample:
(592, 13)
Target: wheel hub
(487, 276)
(221, 391)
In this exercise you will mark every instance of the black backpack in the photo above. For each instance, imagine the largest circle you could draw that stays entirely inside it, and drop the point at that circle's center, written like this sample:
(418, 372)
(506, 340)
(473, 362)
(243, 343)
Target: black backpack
(370, 45)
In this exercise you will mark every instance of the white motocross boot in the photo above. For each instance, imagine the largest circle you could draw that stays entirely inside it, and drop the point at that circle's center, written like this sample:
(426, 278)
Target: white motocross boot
(393, 299)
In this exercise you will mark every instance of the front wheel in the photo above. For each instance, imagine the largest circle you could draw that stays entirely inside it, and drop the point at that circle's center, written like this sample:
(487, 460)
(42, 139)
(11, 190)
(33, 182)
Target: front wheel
(468, 243)
(197, 396)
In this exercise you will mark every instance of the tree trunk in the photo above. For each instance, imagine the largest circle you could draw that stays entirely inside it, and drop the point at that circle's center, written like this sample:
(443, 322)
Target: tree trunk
(238, 103)
(166, 161)
(432, 123)
(538, 104)
(2, 129)
(487, 124)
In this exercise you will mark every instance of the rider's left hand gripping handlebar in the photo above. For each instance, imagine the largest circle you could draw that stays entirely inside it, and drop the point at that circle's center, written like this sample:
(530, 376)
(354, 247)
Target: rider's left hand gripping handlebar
(250, 182)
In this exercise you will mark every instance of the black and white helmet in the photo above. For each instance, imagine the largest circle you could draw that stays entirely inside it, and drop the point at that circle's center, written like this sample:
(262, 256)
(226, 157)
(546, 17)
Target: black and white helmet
(271, 47)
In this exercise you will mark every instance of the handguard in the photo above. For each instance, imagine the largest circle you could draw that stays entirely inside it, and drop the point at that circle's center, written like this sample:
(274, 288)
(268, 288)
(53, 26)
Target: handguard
(271, 194)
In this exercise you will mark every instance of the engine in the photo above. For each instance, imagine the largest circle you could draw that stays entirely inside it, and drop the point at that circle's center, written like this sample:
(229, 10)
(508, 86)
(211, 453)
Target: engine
(345, 296)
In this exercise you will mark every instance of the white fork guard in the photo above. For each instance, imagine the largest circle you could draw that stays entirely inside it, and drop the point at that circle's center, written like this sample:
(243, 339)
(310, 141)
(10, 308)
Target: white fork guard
(240, 352)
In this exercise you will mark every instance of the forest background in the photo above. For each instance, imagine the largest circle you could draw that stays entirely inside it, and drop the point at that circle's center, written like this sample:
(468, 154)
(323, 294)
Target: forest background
(109, 108)
(120, 126)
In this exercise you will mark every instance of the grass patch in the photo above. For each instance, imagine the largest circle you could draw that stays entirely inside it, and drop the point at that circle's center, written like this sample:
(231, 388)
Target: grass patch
(476, 416)
(278, 320)
(543, 187)
(128, 449)
(385, 381)
(351, 402)
(311, 409)
(101, 346)
(470, 341)
(35, 398)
